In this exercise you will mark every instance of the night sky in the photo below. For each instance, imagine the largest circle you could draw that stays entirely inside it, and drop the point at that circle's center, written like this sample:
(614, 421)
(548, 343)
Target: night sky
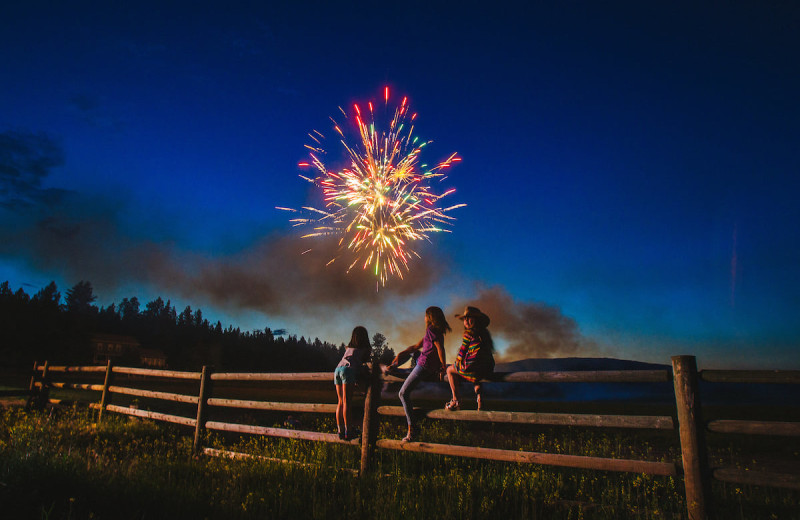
(630, 169)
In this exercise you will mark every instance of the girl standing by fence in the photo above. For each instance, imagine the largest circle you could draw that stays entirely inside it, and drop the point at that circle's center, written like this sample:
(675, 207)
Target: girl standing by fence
(350, 369)
(430, 364)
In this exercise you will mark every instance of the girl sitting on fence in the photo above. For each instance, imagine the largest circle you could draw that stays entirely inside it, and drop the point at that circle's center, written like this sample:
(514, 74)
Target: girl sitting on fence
(474, 360)
(430, 364)
(350, 369)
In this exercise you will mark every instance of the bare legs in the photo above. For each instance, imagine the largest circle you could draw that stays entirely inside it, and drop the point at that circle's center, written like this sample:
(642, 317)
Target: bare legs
(340, 408)
(454, 379)
(344, 394)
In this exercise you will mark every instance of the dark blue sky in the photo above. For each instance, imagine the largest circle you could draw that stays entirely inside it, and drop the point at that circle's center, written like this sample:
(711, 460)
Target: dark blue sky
(630, 170)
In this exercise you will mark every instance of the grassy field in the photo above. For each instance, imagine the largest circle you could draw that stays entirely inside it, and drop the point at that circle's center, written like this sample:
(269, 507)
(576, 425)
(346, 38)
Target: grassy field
(64, 465)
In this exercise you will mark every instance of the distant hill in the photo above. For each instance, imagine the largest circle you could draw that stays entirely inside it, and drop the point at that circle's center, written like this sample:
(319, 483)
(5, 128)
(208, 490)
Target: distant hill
(575, 364)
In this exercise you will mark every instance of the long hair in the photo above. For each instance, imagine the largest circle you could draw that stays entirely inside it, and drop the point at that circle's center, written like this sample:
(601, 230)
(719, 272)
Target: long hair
(486, 338)
(435, 318)
(360, 338)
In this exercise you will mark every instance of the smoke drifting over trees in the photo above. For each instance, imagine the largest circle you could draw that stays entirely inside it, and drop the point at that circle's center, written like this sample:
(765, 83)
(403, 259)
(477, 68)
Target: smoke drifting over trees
(79, 236)
(76, 237)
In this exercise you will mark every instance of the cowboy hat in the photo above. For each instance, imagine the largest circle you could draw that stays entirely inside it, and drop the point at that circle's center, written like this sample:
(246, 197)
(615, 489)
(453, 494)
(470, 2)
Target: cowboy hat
(474, 312)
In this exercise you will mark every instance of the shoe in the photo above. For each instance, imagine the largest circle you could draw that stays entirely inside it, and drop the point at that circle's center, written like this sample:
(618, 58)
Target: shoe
(453, 405)
(341, 435)
(412, 435)
(351, 434)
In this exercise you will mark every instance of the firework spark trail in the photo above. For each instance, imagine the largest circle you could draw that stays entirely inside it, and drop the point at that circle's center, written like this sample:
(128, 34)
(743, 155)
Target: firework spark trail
(383, 201)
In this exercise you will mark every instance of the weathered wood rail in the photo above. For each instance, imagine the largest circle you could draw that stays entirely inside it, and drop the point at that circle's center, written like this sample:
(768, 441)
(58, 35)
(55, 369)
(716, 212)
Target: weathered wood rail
(693, 466)
(773, 428)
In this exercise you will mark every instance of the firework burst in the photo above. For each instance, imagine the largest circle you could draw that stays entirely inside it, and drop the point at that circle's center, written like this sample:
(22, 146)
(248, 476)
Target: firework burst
(383, 201)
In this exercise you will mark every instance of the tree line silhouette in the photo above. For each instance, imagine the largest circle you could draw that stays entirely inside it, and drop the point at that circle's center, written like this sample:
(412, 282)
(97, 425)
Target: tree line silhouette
(42, 327)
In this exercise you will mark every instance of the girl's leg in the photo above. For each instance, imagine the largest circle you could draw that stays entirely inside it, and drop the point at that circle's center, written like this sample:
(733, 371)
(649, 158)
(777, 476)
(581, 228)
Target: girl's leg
(348, 397)
(412, 381)
(454, 379)
(340, 422)
(478, 395)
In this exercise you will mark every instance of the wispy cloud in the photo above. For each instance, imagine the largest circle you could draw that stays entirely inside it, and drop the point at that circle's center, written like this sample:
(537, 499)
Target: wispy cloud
(25, 160)
(90, 110)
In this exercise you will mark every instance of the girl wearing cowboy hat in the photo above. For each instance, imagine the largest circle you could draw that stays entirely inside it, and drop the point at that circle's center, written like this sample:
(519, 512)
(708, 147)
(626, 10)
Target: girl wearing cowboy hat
(430, 364)
(474, 360)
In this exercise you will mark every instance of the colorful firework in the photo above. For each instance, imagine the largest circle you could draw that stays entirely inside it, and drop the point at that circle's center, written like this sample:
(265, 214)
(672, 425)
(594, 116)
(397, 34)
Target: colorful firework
(383, 201)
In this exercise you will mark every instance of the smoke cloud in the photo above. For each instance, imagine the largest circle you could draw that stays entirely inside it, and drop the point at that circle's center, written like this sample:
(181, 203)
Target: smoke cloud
(532, 330)
(521, 329)
(83, 238)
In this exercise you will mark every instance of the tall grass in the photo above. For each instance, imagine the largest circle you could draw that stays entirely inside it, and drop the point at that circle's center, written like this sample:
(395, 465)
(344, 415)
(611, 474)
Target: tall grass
(67, 466)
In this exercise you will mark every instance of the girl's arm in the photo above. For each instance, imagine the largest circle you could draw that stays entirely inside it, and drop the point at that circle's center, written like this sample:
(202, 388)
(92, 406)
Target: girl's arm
(440, 350)
(417, 346)
(414, 347)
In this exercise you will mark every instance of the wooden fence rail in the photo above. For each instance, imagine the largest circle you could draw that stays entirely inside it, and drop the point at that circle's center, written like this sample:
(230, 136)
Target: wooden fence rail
(309, 376)
(550, 459)
(773, 478)
(274, 406)
(693, 466)
(551, 419)
(175, 419)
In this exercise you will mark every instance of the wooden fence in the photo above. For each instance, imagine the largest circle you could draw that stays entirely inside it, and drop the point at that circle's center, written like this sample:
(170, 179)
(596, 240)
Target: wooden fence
(693, 466)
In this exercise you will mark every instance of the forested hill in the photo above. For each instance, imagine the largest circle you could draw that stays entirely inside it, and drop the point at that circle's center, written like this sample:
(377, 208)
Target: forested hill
(575, 364)
(43, 327)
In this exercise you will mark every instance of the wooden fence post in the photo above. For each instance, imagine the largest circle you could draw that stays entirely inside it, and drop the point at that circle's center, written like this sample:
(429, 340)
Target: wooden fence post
(369, 430)
(205, 391)
(44, 393)
(692, 434)
(32, 387)
(105, 398)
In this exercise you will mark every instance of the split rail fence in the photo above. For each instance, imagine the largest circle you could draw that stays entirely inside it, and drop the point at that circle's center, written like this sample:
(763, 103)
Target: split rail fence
(693, 466)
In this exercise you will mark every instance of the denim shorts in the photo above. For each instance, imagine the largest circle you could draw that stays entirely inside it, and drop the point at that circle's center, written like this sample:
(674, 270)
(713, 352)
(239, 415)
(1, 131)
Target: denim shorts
(344, 376)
